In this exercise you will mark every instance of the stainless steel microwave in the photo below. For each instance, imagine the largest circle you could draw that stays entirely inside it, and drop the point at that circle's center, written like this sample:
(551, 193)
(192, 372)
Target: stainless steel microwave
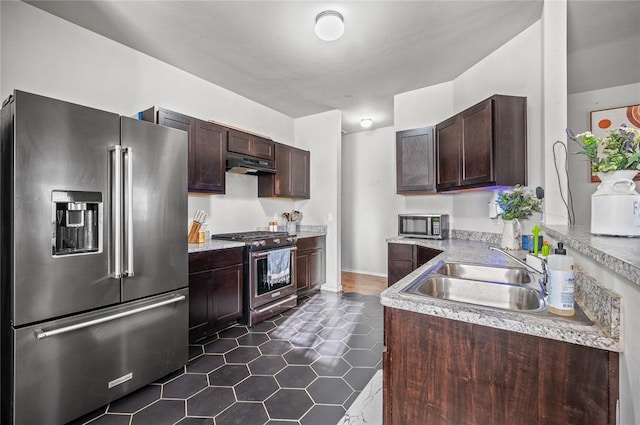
(428, 226)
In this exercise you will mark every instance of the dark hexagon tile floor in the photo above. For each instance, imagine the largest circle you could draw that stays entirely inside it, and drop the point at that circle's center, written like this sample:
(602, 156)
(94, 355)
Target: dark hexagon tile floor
(303, 367)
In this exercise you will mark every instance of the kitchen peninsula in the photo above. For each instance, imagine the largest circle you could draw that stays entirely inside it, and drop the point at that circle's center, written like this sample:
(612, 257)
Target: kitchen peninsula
(468, 361)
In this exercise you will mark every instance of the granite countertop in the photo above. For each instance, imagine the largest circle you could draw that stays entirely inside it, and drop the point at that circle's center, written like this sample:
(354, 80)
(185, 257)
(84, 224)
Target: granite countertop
(213, 244)
(620, 254)
(310, 234)
(527, 323)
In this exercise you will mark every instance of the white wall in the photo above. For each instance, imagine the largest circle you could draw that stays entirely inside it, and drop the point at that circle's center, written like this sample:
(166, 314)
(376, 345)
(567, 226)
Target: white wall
(514, 69)
(579, 107)
(47, 55)
(320, 134)
(368, 181)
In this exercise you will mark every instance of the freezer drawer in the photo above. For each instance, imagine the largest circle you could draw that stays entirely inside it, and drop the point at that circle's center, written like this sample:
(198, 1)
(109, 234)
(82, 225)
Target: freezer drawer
(69, 367)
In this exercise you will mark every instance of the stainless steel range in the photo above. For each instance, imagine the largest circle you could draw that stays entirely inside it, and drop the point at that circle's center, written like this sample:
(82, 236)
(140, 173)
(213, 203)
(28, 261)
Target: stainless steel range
(270, 273)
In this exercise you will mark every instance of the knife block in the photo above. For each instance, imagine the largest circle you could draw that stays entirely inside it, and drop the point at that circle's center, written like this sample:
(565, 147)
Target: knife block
(194, 230)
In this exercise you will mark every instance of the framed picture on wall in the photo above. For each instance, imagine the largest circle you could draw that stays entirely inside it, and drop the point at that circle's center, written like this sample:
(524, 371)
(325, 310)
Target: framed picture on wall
(605, 120)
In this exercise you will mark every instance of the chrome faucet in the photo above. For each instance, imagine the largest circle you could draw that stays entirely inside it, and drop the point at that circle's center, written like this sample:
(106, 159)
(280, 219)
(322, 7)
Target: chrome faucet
(543, 274)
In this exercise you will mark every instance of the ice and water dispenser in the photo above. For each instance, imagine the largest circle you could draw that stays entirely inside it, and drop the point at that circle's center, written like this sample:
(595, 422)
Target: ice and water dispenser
(77, 222)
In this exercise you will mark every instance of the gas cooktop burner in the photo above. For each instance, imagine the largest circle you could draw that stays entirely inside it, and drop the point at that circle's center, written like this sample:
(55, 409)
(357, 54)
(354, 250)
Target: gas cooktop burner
(249, 236)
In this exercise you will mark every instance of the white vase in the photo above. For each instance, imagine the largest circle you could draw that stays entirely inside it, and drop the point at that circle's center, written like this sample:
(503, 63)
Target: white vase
(616, 183)
(511, 235)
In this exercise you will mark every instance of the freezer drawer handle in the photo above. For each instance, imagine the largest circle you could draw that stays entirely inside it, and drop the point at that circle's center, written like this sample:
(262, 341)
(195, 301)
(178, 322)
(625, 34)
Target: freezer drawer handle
(45, 334)
(279, 303)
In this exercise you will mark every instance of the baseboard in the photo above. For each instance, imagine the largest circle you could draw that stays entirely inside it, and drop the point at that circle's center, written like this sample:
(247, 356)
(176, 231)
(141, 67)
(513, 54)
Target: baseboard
(331, 288)
(364, 272)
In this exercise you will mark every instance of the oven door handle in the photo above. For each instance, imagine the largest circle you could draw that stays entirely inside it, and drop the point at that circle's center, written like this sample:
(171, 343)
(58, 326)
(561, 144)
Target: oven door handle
(277, 304)
(261, 254)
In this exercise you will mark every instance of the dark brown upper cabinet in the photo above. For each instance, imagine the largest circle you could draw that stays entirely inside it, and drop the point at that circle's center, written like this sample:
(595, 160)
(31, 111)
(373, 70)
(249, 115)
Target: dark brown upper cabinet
(485, 145)
(415, 161)
(249, 144)
(292, 180)
(207, 147)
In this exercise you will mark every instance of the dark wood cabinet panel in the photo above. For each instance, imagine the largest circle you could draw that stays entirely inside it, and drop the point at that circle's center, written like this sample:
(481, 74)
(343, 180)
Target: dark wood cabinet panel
(292, 179)
(249, 144)
(440, 371)
(402, 259)
(207, 145)
(207, 154)
(415, 161)
(477, 149)
(448, 145)
(227, 296)
(484, 145)
(215, 291)
(310, 263)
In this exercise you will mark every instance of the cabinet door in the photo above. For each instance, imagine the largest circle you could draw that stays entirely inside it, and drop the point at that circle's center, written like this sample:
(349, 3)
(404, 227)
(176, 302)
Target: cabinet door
(293, 175)
(448, 141)
(200, 285)
(207, 158)
(415, 161)
(248, 144)
(401, 261)
(226, 296)
(302, 270)
(316, 267)
(300, 173)
(477, 145)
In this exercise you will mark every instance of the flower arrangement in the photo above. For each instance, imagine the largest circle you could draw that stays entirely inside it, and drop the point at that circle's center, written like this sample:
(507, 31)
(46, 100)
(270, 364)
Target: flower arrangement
(518, 204)
(618, 150)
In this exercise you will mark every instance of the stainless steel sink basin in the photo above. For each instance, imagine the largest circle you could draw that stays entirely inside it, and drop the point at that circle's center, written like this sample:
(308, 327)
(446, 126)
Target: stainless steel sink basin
(496, 295)
(486, 273)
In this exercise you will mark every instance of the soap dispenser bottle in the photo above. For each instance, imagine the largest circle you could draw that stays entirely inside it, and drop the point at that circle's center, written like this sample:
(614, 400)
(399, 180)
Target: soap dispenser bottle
(560, 284)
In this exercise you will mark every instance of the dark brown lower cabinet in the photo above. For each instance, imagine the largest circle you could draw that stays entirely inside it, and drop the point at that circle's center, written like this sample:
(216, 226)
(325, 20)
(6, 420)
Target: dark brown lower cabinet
(442, 372)
(310, 263)
(404, 258)
(215, 291)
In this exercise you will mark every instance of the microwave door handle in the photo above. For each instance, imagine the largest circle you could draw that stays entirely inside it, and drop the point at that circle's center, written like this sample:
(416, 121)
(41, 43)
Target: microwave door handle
(129, 215)
(116, 210)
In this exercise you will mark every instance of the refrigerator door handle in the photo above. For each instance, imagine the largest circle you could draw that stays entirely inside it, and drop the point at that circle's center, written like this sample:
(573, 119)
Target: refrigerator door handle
(129, 207)
(66, 329)
(116, 202)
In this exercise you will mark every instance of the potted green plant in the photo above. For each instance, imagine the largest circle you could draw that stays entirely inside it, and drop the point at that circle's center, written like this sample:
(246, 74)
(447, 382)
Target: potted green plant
(515, 205)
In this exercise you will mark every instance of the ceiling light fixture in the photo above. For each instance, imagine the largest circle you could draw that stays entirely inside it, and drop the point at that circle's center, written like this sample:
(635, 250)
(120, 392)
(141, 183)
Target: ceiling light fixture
(366, 122)
(329, 25)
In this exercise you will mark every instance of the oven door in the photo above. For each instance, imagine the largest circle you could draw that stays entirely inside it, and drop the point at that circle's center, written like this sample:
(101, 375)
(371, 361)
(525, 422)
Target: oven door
(262, 290)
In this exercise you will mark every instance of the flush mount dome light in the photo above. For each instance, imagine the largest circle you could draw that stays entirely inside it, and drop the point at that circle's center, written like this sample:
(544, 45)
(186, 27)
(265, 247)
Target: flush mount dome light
(366, 122)
(329, 25)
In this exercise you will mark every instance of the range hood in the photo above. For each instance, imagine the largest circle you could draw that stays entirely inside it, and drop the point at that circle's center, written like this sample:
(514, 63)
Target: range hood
(242, 164)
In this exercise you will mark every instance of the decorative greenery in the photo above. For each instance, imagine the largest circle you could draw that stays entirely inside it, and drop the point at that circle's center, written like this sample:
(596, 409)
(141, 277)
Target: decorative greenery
(518, 204)
(618, 150)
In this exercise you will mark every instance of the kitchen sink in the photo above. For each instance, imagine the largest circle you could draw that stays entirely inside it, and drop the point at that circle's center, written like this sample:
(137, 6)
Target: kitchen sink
(485, 273)
(489, 294)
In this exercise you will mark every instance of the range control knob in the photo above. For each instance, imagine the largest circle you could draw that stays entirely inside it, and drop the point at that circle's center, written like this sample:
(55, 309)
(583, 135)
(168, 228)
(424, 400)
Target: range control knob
(291, 239)
(276, 241)
(263, 243)
(255, 243)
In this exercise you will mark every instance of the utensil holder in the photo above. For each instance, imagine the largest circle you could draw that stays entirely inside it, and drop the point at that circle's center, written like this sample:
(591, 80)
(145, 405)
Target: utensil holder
(194, 230)
(291, 227)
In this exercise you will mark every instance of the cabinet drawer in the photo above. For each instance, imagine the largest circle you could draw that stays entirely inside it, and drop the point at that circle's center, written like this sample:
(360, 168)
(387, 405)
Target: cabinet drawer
(200, 261)
(249, 144)
(310, 243)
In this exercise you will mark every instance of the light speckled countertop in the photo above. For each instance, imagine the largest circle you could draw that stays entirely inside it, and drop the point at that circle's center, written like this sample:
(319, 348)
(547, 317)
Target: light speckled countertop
(526, 323)
(619, 254)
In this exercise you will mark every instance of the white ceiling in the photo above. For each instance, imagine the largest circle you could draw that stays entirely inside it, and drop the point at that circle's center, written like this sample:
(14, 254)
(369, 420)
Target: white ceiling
(267, 51)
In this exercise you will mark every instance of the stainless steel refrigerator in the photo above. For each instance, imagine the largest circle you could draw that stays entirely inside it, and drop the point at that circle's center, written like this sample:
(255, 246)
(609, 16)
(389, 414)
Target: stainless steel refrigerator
(94, 268)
